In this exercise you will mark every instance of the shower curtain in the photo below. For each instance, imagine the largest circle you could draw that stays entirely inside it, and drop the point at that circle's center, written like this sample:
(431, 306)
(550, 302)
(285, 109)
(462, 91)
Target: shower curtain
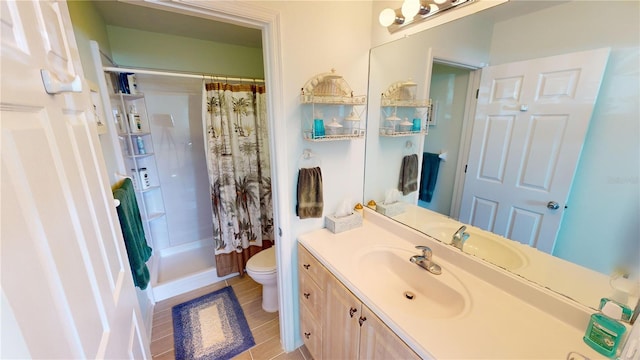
(239, 172)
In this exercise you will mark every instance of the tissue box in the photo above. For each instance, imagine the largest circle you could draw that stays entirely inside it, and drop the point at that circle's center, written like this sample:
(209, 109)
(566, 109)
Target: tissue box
(337, 225)
(391, 209)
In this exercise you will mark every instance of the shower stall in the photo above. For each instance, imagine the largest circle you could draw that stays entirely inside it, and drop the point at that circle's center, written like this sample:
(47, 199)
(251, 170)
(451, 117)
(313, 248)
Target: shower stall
(183, 252)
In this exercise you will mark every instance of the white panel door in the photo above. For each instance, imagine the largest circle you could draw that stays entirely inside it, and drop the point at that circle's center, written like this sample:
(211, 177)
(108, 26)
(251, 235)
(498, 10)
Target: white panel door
(66, 280)
(531, 120)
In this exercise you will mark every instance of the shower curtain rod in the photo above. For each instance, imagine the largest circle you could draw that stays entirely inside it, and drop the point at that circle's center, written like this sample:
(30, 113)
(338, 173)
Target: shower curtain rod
(179, 74)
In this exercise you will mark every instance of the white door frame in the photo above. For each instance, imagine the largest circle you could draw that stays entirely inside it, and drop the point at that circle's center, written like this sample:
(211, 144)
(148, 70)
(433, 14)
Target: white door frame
(268, 21)
(475, 71)
(465, 143)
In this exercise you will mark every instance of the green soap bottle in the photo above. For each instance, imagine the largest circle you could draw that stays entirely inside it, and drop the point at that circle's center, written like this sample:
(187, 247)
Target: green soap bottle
(604, 334)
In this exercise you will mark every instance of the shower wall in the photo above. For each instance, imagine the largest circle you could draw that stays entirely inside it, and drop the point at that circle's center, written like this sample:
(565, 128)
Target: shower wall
(174, 106)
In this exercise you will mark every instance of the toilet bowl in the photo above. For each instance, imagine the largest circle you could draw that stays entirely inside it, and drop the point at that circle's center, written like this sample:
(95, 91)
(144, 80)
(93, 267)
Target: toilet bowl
(261, 267)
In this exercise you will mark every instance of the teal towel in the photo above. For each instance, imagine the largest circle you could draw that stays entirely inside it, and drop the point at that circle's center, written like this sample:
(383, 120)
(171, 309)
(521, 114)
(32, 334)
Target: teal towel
(430, 165)
(133, 232)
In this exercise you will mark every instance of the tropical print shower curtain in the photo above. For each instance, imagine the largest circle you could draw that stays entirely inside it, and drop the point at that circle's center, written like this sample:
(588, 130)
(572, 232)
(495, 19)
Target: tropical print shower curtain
(239, 172)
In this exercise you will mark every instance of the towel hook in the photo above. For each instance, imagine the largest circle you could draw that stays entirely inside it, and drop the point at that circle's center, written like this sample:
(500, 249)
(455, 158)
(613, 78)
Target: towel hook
(308, 160)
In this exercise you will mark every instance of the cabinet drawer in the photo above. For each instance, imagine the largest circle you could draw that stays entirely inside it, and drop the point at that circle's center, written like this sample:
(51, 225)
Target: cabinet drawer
(311, 331)
(310, 266)
(311, 295)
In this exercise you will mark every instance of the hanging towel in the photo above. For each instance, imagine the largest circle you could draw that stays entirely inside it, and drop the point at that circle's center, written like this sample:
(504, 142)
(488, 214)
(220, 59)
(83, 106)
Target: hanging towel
(408, 181)
(133, 232)
(430, 165)
(309, 193)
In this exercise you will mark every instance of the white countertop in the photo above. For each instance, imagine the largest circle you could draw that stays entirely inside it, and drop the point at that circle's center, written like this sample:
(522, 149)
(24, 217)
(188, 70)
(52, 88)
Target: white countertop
(549, 271)
(496, 323)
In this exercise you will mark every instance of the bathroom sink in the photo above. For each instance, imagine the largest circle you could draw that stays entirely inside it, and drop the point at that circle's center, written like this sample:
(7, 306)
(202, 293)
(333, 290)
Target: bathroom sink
(489, 247)
(389, 278)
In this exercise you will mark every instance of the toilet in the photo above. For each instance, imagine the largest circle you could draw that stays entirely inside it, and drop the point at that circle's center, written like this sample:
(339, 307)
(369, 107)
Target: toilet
(261, 267)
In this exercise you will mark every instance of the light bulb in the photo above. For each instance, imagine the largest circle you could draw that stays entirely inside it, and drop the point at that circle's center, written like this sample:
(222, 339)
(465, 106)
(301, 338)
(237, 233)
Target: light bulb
(439, 2)
(387, 17)
(410, 8)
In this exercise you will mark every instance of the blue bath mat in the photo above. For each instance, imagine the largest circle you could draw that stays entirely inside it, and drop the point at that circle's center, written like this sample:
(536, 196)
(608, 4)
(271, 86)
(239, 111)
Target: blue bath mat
(210, 327)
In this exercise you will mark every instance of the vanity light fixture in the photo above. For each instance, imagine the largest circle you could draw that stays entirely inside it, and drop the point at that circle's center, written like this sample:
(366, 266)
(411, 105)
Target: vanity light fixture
(415, 11)
(389, 17)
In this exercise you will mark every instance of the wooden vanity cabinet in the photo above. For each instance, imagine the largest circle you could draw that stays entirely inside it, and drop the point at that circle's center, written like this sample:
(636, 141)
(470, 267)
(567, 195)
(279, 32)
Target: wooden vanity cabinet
(311, 279)
(340, 322)
(340, 326)
(377, 341)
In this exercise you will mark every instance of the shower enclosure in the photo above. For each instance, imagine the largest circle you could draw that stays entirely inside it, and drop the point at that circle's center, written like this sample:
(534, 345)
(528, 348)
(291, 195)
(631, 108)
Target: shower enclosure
(185, 253)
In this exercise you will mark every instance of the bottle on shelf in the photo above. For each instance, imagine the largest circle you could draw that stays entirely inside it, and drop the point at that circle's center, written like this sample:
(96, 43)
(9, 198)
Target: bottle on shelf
(144, 178)
(417, 121)
(134, 179)
(140, 145)
(135, 123)
(122, 127)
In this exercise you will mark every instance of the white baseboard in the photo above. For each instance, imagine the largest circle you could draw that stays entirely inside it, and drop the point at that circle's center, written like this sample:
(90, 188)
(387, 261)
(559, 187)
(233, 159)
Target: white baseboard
(183, 285)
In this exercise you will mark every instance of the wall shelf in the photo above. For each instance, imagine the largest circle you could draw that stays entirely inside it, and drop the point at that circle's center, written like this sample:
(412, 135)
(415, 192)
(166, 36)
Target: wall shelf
(133, 129)
(330, 110)
(404, 114)
(155, 216)
(140, 156)
(388, 132)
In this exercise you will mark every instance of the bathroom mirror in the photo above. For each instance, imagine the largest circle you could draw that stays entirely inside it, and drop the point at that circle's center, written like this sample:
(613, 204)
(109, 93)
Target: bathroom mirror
(600, 225)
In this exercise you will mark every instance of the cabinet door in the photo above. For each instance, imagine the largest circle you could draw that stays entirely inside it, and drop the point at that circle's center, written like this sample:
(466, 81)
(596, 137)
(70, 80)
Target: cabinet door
(340, 326)
(311, 295)
(311, 331)
(377, 341)
(310, 266)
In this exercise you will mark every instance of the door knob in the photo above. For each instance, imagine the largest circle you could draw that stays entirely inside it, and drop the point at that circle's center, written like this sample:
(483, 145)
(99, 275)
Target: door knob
(553, 205)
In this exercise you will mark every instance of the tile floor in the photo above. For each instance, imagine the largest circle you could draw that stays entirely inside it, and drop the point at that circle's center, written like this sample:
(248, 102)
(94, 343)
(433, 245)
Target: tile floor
(264, 326)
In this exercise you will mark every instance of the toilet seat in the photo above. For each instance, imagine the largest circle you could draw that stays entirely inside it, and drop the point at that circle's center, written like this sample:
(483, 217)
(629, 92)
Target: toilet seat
(263, 262)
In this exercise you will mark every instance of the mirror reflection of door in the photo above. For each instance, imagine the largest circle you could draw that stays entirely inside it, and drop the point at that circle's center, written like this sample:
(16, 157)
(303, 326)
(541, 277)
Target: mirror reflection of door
(531, 121)
(448, 92)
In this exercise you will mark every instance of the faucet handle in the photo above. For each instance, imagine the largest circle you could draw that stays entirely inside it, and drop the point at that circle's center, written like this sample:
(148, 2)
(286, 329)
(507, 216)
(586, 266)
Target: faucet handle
(426, 251)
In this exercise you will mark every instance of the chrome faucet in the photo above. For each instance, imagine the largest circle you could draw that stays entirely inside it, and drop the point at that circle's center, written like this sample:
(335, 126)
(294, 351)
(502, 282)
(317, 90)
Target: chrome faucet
(460, 237)
(424, 260)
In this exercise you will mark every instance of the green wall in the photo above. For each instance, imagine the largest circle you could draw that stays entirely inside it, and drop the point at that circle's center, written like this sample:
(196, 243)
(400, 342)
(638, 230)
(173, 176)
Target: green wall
(135, 48)
(88, 25)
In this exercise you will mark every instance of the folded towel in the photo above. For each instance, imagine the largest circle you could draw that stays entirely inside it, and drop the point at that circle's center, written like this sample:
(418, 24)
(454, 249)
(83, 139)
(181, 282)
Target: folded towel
(309, 193)
(408, 181)
(133, 232)
(430, 166)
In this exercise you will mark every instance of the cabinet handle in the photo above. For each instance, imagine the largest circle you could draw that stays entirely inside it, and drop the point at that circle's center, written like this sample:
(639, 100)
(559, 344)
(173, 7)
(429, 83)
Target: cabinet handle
(352, 311)
(307, 335)
(306, 266)
(306, 295)
(362, 320)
